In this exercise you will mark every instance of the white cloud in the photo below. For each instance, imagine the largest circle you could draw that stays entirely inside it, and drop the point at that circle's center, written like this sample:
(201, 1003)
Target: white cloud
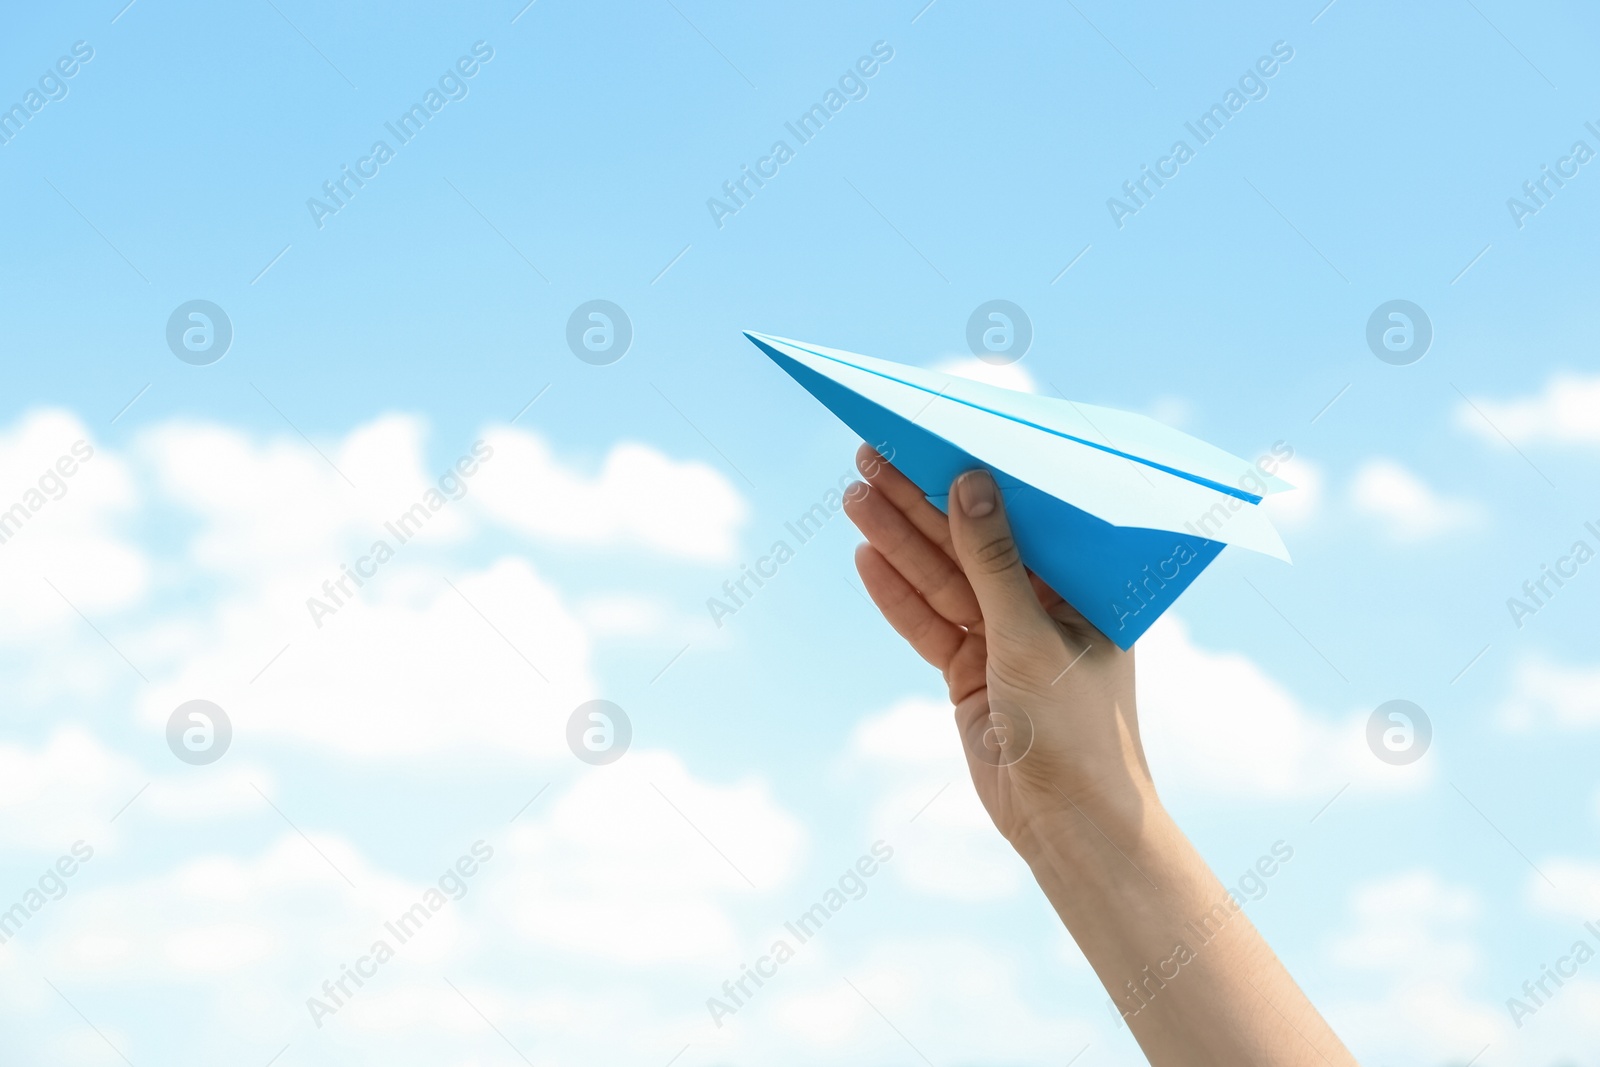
(368, 672)
(1567, 412)
(927, 809)
(638, 497)
(1175, 411)
(1543, 693)
(1216, 721)
(1408, 510)
(425, 664)
(633, 863)
(928, 987)
(62, 529)
(71, 786)
(245, 940)
(1004, 375)
(1297, 507)
(275, 506)
(278, 503)
(1564, 1021)
(1412, 939)
(1572, 892)
(626, 615)
(611, 875)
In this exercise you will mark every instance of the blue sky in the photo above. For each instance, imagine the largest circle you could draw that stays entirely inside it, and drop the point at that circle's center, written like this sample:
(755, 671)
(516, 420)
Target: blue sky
(768, 754)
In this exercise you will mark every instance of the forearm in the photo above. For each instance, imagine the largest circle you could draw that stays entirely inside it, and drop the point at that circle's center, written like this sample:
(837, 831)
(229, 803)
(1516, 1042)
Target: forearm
(1190, 974)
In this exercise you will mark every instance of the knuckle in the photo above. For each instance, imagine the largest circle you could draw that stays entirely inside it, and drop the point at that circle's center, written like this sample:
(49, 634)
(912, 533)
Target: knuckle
(1017, 673)
(997, 554)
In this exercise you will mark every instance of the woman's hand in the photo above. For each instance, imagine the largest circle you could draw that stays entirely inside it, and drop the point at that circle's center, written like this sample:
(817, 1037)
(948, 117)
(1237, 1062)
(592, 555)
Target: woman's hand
(1044, 704)
(1043, 701)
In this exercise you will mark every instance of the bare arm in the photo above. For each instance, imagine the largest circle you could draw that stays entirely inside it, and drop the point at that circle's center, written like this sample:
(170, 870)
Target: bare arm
(1045, 708)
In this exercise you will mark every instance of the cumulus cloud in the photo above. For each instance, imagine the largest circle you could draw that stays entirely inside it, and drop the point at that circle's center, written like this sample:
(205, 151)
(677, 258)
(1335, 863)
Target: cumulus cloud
(1572, 892)
(930, 987)
(1214, 721)
(426, 664)
(1404, 505)
(277, 501)
(1175, 411)
(1218, 723)
(639, 497)
(626, 615)
(1566, 412)
(637, 861)
(71, 786)
(293, 617)
(246, 939)
(63, 500)
(273, 506)
(1547, 694)
(1005, 375)
(1412, 937)
(945, 844)
(1296, 508)
(633, 872)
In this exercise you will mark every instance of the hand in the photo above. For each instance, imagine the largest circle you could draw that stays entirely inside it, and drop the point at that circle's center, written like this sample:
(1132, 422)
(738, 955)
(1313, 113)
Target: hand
(1044, 704)
(1043, 701)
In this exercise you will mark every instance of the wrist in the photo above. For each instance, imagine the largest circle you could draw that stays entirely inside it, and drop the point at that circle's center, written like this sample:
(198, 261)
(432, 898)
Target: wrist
(1082, 827)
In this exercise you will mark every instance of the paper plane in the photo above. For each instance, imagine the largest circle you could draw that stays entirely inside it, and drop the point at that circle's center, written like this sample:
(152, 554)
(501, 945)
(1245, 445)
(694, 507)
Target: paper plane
(1115, 511)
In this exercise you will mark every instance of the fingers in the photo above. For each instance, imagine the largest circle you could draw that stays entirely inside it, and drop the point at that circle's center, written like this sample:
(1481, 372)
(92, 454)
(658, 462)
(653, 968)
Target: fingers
(934, 637)
(903, 493)
(931, 572)
(932, 523)
(988, 554)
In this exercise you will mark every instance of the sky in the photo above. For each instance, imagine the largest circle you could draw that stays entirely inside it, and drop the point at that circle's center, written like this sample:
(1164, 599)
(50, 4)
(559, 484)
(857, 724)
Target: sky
(225, 377)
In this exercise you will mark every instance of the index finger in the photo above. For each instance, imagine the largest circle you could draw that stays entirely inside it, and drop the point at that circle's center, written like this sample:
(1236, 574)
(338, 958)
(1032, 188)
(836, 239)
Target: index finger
(932, 523)
(903, 493)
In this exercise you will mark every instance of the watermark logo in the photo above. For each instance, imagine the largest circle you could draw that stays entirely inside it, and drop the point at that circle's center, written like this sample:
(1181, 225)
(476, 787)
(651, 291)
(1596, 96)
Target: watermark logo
(999, 332)
(599, 332)
(199, 732)
(51, 485)
(1399, 732)
(1209, 524)
(1538, 591)
(1399, 332)
(1140, 991)
(1536, 992)
(737, 592)
(451, 885)
(451, 86)
(51, 885)
(1003, 736)
(51, 87)
(599, 732)
(1148, 589)
(199, 332)
(1538, 192)
(1138, 192)
(451, 485)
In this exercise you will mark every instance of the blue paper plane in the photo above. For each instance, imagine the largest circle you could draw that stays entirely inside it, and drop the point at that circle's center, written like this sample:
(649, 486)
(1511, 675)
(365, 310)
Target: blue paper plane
(1115, 511)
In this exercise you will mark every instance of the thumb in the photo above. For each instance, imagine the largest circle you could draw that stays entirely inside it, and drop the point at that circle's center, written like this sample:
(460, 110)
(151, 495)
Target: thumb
(988, 554)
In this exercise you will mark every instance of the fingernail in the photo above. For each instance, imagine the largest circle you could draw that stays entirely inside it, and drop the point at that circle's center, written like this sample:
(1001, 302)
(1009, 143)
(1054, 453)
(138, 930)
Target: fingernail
(977, 494)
